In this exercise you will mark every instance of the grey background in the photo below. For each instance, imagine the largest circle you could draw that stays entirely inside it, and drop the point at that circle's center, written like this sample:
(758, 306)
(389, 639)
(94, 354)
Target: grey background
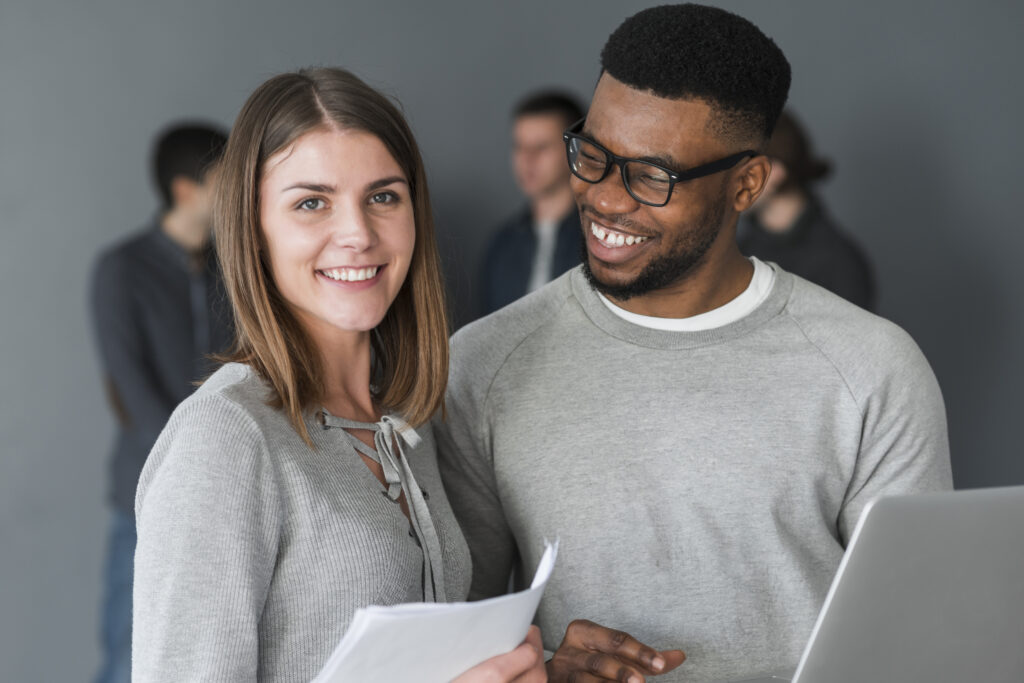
(918, 103)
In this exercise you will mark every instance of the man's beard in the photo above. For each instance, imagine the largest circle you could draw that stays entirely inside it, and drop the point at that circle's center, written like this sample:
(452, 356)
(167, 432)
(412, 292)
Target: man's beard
(683, 256)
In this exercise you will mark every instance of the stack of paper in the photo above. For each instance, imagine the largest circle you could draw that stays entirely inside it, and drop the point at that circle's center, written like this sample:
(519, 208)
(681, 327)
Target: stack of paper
(434, 642)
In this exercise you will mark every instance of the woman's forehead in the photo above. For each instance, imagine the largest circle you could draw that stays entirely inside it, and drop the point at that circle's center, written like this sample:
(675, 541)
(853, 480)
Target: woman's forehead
(343, 154)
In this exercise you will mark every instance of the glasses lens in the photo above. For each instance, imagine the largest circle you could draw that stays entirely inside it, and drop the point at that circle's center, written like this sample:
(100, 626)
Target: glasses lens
(586, 160)
(648, 183)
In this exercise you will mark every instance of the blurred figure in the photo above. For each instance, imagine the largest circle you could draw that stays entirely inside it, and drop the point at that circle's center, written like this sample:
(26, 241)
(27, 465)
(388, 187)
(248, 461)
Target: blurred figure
(543, 240)
(159, 309)
(790, 226)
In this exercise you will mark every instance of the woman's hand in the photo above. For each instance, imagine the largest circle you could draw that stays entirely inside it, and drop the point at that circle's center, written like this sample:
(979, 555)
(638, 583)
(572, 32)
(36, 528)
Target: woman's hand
(525, 664)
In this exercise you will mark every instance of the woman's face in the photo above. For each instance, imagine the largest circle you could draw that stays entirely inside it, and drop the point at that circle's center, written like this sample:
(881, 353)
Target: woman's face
(337, 220)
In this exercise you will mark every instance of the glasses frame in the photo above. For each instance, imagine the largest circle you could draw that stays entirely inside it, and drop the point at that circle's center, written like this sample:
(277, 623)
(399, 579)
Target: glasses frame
(674, 177)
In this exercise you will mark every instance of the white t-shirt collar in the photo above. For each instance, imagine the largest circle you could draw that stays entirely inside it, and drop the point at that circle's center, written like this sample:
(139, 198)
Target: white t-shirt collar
(756, 292)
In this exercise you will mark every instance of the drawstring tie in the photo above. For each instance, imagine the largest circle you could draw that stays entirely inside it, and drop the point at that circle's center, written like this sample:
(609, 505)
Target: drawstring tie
(389, 435)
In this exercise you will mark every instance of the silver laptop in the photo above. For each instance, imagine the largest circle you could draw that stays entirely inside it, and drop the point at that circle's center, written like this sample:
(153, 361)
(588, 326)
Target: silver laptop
(930, 590)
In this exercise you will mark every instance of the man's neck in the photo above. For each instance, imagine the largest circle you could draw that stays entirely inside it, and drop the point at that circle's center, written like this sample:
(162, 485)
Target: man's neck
(184, 231)
(552, 206)
(714, 283)
(780, 213)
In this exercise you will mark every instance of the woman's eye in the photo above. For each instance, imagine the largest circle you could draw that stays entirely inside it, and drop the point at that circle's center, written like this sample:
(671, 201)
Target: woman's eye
(312, 204)
(383, 198)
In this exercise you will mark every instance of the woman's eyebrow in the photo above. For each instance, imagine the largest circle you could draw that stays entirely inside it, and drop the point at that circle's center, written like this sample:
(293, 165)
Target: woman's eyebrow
(322, 188)
(383, 182)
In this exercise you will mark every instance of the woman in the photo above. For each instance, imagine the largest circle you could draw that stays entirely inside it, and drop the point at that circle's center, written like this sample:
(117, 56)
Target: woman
(299, 482)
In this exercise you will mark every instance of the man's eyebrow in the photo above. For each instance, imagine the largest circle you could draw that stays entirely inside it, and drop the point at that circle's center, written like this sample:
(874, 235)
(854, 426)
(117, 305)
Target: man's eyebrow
(667, 162)
(659, 160)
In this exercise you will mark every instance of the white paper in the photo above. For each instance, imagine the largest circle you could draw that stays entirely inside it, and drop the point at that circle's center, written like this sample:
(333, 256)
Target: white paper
(434, 642)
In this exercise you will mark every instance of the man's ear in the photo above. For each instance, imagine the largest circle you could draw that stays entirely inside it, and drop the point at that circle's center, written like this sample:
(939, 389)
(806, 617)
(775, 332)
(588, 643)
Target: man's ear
(751, 179)
(183, 190)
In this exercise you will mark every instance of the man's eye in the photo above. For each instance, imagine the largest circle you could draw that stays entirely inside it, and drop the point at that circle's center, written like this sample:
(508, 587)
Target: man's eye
(654, 180)
(312, 204)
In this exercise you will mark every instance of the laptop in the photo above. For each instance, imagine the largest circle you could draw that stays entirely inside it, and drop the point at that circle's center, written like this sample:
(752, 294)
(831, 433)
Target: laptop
(930, 590)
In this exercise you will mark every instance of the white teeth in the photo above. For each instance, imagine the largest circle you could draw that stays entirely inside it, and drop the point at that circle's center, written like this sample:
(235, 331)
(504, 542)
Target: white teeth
(613, 239)
(351, 274)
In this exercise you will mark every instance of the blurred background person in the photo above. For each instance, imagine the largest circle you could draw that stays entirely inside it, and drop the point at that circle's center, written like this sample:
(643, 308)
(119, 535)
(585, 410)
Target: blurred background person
(543, 239)
(158, 310)
(790, 225)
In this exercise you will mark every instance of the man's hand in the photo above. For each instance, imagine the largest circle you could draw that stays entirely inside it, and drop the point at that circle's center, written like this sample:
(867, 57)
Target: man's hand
(591, 652)
(525, 664)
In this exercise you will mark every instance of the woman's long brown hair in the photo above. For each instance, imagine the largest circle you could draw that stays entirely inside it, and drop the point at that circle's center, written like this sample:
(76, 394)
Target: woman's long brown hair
(410, 345)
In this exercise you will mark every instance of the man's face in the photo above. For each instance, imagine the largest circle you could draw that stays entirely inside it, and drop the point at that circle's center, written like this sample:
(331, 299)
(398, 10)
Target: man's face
(538, 155)
(675, 239)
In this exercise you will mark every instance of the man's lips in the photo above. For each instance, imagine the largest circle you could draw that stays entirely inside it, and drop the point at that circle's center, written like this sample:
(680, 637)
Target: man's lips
(613, 245)
(614, 238)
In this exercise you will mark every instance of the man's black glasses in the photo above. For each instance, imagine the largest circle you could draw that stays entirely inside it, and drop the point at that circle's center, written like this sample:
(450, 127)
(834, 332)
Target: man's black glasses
(646, 182)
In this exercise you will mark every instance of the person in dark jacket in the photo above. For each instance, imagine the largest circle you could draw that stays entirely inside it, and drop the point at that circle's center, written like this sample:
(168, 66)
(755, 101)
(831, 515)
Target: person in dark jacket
(543, 239)
(159, 311)
(790, 225)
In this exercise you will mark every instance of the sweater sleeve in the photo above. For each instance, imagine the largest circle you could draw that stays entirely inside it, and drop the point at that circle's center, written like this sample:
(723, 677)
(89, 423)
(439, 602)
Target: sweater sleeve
(466, 464)
(904, 444)
(208, 519)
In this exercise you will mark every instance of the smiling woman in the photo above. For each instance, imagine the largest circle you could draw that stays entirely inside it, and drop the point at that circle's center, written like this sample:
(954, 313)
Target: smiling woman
(294, 486)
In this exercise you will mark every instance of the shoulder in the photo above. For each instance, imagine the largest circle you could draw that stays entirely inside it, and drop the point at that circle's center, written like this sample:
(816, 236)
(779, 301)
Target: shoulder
(866, 349)
(480, 348)
(218, 434)
(126, 248)
(116, 260)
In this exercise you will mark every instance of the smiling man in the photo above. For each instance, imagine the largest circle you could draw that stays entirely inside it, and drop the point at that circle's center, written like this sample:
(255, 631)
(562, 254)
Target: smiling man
(701, 430)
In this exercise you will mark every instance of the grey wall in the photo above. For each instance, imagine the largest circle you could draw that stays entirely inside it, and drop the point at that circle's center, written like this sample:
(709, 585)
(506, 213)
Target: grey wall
(917, 102)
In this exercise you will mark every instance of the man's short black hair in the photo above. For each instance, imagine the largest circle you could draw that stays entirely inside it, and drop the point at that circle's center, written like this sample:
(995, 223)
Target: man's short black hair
(704, 53)
(184, 150)
(556, 102)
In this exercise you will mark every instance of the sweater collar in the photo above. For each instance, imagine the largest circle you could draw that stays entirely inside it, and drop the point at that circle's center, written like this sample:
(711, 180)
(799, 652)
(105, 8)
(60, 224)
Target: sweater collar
(630, 333)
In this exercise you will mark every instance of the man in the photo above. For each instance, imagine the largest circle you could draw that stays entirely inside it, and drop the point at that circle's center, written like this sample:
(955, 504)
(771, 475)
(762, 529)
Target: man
(543, 240)
(701, 430)
(159, 310)
(789, 224)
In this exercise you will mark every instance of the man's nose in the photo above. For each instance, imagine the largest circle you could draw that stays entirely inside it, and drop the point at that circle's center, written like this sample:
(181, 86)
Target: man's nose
(610, 196)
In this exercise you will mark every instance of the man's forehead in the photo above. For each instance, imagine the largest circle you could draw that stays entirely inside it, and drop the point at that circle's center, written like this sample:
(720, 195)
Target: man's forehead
(640, 123)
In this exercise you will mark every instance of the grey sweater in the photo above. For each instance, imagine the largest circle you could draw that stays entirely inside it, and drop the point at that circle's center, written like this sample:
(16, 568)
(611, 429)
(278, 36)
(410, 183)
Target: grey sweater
(703, 484)
(255, 551)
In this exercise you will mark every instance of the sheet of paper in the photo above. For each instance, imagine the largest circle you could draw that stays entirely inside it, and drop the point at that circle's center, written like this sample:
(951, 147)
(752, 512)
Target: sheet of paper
(434, 642)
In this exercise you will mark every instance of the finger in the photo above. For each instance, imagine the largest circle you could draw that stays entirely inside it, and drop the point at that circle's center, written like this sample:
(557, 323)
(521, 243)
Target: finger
(533, 638)
(604, 667)
(504, 667)
(536, 673)
(583, 677)
(673, 658)
(618, 643)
